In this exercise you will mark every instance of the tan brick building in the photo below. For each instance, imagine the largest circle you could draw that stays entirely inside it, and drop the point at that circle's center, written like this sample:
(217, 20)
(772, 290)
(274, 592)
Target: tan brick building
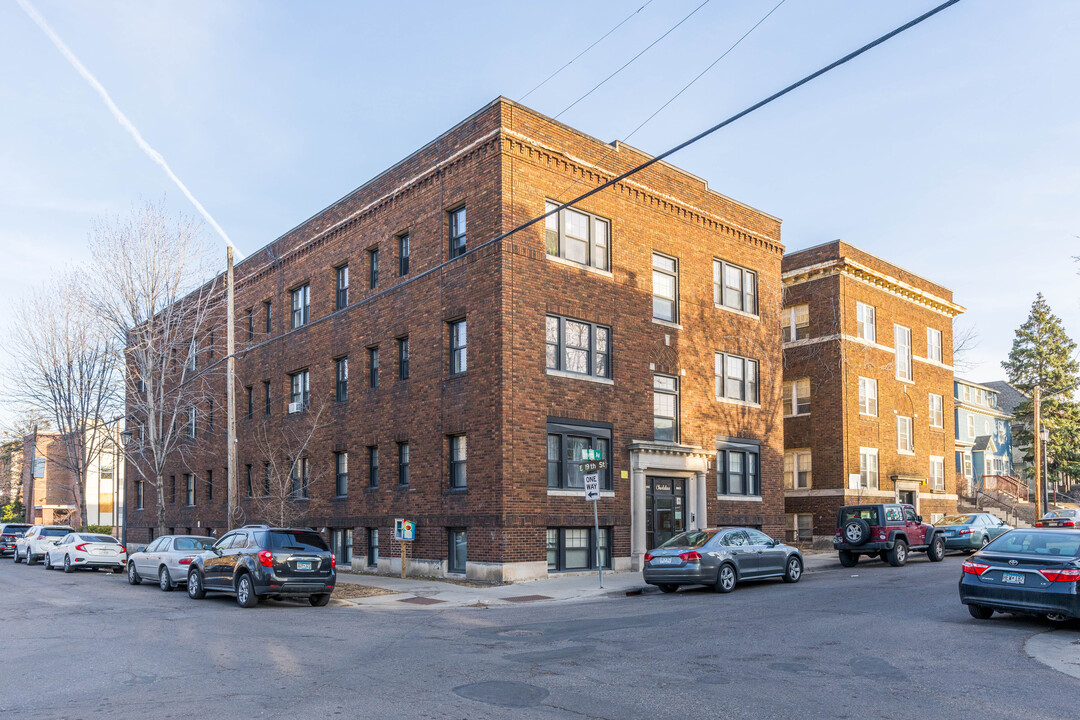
(868, 388)
(49, 493)
(641, 324)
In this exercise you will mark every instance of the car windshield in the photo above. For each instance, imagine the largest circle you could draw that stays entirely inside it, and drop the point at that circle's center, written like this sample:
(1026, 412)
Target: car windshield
(1061, 543)
(55, 532)
(305, 540)
(193, 543)
(869, 514)
(956, 520)
(692, 539)
(100, 539)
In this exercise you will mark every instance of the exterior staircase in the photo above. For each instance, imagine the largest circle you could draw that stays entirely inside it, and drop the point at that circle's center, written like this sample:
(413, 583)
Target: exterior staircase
(1018, 513)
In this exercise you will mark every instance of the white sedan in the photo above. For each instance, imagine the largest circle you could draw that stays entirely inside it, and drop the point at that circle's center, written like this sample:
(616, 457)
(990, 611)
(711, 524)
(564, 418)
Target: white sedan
(86, 550)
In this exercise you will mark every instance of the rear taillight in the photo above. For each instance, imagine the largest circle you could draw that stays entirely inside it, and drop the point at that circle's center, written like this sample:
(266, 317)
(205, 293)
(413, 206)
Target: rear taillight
(1067, 575)
(82, 547)
(692, 556)
(1068, 523)
(185, 561)
(1038, 523)
(333, 561)
(266, 558)
(974, 568)
(648, 557)
(123, 549)
(964, 532)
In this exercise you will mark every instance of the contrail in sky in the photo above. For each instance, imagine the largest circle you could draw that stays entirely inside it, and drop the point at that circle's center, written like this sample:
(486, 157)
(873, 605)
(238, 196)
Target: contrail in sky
(121, 117)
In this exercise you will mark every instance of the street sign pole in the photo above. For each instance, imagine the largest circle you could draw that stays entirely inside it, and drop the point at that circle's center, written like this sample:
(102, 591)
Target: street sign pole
(596, 523)
(591, 468)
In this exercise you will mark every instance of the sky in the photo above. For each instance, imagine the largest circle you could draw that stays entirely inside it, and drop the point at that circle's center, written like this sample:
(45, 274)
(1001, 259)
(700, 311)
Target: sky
(953, 150)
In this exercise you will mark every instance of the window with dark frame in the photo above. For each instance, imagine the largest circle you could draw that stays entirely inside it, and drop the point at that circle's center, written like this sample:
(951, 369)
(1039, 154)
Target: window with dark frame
(403, 464)
(578, 347)
(139, 495)
(373, 466)
(266, 395)
(250, 401)
(298, 486)
(665, 408)
(298, 391)
(210, 414)
(172, 489)
(458, 457)
(267, 316)
(735, 287)
(567, 443)
(301, 306)
(341, 298)
(403, 254)
(373, 547)
(341, 474)
(251, 323)
(210, 485)
(458, 551)
(403, 358)
(341, 379)
(211, 344)
(266, 479)
(373, 367)
(457, 232)
(250, 486)
(570, 549)
(192, 428)
(736, 378)
(665, 288)
(373, 268)
(577, 236)
(737, 470)
(189, 489)
(458, 347)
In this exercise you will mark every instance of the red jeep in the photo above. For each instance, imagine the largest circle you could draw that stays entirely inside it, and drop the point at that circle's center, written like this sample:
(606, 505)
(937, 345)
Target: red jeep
(888, 531)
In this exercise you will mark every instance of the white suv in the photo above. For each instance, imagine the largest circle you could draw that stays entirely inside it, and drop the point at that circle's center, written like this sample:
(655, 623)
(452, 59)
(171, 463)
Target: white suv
(32, 546)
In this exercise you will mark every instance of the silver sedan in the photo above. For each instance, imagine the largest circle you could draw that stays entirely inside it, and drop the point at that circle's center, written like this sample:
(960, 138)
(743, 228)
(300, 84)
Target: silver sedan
(166, 560)
(720, 557)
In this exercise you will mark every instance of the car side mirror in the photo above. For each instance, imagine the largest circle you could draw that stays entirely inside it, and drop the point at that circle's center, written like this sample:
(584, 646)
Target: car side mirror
(774, 543)
(918, 518)
(216, 550)
(140, 548)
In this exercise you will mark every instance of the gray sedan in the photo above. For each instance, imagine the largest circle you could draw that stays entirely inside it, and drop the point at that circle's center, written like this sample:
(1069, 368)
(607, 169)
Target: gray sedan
(720, 557)
(166, 560)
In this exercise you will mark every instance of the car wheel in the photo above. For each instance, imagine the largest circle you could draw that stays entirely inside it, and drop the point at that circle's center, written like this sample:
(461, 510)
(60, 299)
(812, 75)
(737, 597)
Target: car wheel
(725, 579)
(164, 579)
(1057, 617)
(30, 558)
(793, 569)
(668, 587)
(47, 562)
(67, 564)
(848, 558)
(195, 589)
(898, 555)
(936, 551)
(245, 592)
(984, 542)
(133, 574)
(980, 612)
(319, 600)
(17, 558)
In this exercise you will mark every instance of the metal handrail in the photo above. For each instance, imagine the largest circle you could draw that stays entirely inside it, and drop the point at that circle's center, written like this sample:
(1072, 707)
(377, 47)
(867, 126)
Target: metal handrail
(1012, 486)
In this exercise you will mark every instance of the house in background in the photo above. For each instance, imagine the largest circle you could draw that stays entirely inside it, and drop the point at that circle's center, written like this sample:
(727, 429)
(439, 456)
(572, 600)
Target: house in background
(983, 434)
(1008, 398)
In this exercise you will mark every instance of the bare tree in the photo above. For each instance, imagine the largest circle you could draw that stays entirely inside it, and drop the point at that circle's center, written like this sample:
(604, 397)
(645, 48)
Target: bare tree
(965, 340)
(64, 370)
(150, 287)
(286, 475)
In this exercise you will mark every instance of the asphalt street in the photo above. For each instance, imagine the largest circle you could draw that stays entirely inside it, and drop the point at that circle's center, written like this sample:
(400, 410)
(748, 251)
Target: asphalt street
(866, 642)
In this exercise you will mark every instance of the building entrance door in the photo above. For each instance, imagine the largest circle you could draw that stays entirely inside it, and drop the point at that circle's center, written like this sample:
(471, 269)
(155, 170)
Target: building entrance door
(907, 497)
(665, 509)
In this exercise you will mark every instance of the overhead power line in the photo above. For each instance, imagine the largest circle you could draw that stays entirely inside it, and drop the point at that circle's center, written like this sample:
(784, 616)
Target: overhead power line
(595, 43)
(711, 65)
(631, 60)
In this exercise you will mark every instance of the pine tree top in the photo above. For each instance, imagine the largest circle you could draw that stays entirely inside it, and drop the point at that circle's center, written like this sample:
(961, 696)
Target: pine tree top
(1042, 353)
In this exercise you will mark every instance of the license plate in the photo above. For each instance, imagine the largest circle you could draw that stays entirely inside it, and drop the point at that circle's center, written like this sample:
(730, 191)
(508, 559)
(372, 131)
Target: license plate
(1012, 578)
(301, 565)
(665, 561)
(949, 533)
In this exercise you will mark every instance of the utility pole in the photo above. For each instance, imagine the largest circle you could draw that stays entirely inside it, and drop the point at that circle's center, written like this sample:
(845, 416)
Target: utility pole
(1040, 505)
(230, 382)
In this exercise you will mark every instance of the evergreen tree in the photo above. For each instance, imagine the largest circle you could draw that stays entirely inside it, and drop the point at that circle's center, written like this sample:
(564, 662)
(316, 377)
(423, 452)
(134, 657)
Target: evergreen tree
(1042, 354)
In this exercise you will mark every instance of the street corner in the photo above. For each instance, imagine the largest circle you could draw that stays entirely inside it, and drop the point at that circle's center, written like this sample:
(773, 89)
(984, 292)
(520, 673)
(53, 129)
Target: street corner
(1058, 649)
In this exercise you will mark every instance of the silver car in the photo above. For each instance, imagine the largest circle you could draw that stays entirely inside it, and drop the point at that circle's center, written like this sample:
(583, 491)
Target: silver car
(166, 560)
(720, 557)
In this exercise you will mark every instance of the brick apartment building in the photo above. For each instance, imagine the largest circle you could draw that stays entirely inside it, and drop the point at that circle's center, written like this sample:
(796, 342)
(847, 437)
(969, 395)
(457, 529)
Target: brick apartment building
(868, 388)
(49, 489)
(463, 378)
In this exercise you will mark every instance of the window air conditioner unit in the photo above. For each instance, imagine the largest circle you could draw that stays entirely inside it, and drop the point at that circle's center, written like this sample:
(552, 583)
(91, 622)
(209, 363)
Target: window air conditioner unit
(295, 407)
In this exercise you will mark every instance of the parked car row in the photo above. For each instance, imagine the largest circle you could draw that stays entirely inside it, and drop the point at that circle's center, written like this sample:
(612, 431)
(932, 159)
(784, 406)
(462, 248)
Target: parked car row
(59, 546)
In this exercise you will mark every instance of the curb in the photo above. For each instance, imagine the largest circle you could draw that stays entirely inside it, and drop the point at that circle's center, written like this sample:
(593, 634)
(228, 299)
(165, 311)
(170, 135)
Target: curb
(1057, 649)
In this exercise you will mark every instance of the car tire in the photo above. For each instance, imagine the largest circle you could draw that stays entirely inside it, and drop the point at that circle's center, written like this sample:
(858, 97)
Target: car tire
(68, 568)
(245, 592)
(726, 579)
(668, 587)
(848, 558)
(195, 589)
(984, 542)
(1057, 617)
(319, 600)
(898, 555)
(133, 574)
(856, 531)
(30, 558)
(46, 562)
(980, 612)
(17, 558)
(164, 579)
(793, 569)
(936, 551)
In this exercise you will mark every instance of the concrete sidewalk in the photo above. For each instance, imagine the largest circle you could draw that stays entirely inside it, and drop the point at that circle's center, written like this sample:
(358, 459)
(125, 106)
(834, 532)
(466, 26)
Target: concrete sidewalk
(415, 592)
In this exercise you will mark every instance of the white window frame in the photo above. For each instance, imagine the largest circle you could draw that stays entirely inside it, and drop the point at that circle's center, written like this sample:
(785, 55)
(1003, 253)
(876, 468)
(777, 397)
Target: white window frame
(936, 412)
(969, 467)
(798, 469)
(868, 477)
(674, 275)
(797, 397)
(903, 421)
(933, 345)
(971, 426)
(795, 318)
(937, 481)
(793, 533)
(902, 345)
(866, 321)
(865, 384)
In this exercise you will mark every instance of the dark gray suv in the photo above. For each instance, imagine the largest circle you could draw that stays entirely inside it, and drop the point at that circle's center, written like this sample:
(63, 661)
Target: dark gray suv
(258, 561)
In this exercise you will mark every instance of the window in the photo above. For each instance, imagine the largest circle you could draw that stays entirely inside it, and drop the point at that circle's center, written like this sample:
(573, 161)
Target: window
(189, 489)
(210, 414)
(251, 323)
(373, 466)
(403, 358)
(665, 408)
(373, 367)
(866, 321)
(210, 345)
(800, 527)
(266, 313)
(298, 485)
(250, 391)
(737, 468)
(937, 473)
(250, 486)
(342, 285)
(665, 283)
(567, 443)
(986, 427)
(373, 547)
(458, 456)
(459, 552)
(210, 485)
(736, 378)
(904, 442)
(933, 344)
(578, 347)
(458, 350)
(734, 287)
(577, 236)
(373, 268)
(301, 305)
(867, 396)
(937, 411)
(796, 323)
(341, 540)
(172, 488)
(191, 427)
(797, 397)
(576, 548)
(403, 464)
(967, 466)
(971, 426)
(139, 495)
(403, 254)
(266, 479)
(341, 474)
(266, 395)
(798, 472)
(457, 232)
(902, 337)
(341, 376)
(298, 391)
(868, 468)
